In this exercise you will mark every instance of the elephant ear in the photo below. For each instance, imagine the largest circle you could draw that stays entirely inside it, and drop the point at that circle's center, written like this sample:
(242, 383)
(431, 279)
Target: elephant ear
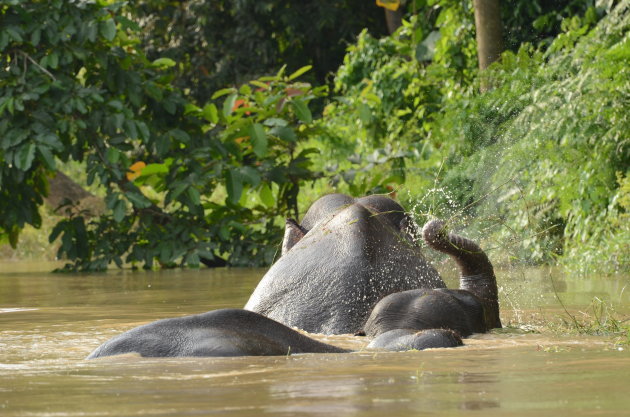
(293, 232)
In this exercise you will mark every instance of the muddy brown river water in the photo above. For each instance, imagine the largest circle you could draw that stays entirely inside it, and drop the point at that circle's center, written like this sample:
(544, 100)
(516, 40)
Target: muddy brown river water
(534, 367)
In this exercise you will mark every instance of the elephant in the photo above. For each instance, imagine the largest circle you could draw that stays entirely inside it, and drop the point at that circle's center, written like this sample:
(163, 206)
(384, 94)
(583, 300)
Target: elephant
(345, 256)
(238, 332)
(351, 266)
(398, 340)
(225, 332)
(349, 254)
(471, 309)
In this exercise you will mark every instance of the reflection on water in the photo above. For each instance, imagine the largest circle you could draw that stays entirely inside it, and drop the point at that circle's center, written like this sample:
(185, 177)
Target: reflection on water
(49, 323)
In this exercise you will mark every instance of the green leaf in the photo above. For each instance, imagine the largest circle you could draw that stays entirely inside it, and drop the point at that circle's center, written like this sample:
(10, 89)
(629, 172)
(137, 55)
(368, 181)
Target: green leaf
(120, 209)
(153, 90)
(138, 200)
(153, 169)
(107, 29)
(116, 104)
(210, 113)
(266, 196)
(300, 72)
(176, 191)
(234, 185)
(24, 157)
(163, 63)
(301, 110)
(251, 176)
(274, 121)
(224, 232)
(56, 231)
(48, 157)
(281, 71)
(130, 129)
(285, 133)
(365, 113)
(180, 135)
(194, 195)
(260, 84)
(268, 78)
(51, 140)
(191, 108)
(245, 90)
(14, 234)
(192, 260)
(144, 130)
(112, 155)
(222, 92)
(14, 33)
(228, 105)
(35, 37)
(259, 139)
(169, 106)
(53, 60)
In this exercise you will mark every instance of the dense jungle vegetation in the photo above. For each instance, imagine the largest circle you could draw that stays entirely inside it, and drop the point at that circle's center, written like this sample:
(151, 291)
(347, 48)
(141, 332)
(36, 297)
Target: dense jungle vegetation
(203, 124)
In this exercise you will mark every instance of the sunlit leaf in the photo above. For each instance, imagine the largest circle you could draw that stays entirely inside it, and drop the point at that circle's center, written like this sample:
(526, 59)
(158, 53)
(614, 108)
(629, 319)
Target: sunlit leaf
(222, 92)
(163, 63)
(299, 72)
(228, 105)
(210, 113)
(266, 196)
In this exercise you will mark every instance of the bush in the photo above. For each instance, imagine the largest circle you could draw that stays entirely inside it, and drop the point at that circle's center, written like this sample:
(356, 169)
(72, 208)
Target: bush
(548, 144)
(180, 177)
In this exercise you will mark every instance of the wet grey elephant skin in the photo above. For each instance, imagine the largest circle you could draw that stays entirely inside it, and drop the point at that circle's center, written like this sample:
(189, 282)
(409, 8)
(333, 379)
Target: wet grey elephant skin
(474, 308)
(346, 255)
(227, 332)
(399, 340)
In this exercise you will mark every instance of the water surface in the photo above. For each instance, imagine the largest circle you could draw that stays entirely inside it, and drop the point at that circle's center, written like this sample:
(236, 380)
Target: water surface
(50, 322)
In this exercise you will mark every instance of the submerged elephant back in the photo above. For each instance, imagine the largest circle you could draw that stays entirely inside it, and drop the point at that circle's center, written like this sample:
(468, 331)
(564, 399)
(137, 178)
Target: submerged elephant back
(329, 280)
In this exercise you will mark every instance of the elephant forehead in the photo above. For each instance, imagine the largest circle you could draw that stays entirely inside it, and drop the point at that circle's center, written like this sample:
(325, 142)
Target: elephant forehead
(347, 232)
(385, 207)
(333, 205)
(325, 207)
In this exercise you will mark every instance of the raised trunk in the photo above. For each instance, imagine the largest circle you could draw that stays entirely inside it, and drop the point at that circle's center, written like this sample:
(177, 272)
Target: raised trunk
(476, 271)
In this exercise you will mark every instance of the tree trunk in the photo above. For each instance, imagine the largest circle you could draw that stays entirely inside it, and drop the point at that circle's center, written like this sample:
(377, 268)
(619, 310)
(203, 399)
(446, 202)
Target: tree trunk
(393, 19)
(489, 31)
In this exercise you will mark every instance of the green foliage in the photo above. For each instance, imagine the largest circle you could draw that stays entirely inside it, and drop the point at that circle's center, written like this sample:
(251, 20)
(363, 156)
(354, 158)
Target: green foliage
(600, 319)
(80, 88)
(218, 43)
(547, 144)
(534, 161)
(390, 91)
(192, 171)
(538, 21)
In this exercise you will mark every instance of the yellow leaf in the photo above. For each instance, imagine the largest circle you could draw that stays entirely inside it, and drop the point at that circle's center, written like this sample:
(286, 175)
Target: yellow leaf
(389, 4)
(135, 170)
